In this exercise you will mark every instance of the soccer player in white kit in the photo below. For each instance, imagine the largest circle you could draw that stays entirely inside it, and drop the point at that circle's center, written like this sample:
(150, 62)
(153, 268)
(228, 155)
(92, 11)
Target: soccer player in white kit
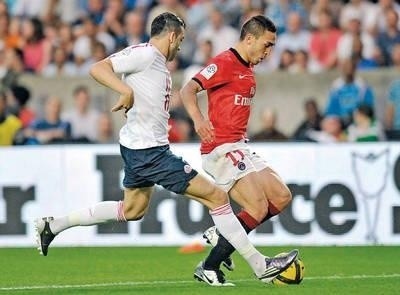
(145, 89)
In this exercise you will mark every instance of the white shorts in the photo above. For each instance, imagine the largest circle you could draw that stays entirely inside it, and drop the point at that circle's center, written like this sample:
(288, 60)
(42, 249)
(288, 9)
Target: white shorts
(229, 162)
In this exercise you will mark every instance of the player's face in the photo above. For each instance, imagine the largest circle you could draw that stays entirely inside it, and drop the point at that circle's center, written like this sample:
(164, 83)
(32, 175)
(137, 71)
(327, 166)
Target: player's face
(175, 43)
(261, 47)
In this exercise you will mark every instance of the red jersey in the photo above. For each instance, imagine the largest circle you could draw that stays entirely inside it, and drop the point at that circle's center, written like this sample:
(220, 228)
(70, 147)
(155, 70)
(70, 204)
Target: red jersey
(231, 86)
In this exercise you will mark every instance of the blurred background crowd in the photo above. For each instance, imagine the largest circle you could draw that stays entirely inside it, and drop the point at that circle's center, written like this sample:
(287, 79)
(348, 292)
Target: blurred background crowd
(62, 38)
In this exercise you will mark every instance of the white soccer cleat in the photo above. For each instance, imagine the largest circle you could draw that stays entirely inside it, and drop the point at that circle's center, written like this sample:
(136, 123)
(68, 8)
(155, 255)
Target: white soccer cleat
(214, 278)
(43, 234)
(212, 235)
(276, 265)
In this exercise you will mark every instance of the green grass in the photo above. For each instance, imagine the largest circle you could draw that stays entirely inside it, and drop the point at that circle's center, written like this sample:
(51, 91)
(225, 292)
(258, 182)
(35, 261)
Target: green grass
(158, 270)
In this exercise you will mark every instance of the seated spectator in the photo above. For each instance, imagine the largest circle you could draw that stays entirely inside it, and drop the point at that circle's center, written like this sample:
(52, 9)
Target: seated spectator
(312, 121)
(300, 62)
(50, 128)
(388, 39)
(294, 39)
(105, 129)
(83, 118)
(331, 131)
(323, 43)
(134, 28)
(333, 8)
(20, 97)
(11, 68)
(392, 118)
(181, 126)
(363, 63)
(36, 50)
(59, 65)
(112, 22)
(348, 92)
(286, 60)
(269, 131)
(364, 127)
(10, 125)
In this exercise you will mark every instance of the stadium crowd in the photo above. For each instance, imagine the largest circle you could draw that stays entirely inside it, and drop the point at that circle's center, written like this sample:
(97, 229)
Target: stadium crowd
(62, 38)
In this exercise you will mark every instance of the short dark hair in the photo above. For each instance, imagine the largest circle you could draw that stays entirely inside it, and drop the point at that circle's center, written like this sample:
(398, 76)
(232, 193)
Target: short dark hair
(166, 22)
(256, 26)
(80, 88)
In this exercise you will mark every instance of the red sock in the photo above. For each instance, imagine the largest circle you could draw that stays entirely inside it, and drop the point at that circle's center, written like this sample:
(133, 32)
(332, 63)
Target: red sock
(272, 211)
(247, 221)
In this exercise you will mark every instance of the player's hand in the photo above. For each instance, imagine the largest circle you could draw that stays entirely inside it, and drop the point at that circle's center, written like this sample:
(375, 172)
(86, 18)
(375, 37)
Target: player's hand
(205, 130)
(125, 102)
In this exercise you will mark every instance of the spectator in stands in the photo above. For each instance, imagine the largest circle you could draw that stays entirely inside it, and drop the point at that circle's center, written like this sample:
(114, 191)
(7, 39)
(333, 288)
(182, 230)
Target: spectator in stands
(36, 50)
(387, 39)
(181, 126)
(333, 8)
(11, 67)
(113, 21)
(50, 128)
(396, 57)
(27, 8)
(105, 129)
(65, 40)
(348, 92)
(295, 38)
(312, 120)
(83, 118)
(279, 10)
(90, 34)
(98, 53)
(364, 127)
(323, 43)
(94, 9)
(221, 35)
(331, 131)
(18, 98)
(66, 11)
(353, 29)
(378, 19)
(59, 65)
(392, 118)
(286, 60)
(10, 125)
(269, 131)
(363, 9)
(300, 62)
(134, 25)
(362, 62)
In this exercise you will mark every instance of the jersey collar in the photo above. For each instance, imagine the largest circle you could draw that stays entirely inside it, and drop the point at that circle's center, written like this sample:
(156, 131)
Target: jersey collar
(245, 63)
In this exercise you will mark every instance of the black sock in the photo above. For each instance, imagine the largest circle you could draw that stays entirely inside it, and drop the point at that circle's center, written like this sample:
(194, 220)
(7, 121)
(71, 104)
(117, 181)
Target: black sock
(221, 251)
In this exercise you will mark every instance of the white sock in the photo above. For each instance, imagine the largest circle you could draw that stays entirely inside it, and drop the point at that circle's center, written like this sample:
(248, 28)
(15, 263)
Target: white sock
(230, 227)
(100, 213)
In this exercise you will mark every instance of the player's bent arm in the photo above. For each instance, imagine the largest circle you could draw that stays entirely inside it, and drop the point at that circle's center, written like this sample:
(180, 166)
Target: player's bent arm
(103, 73)
(189, 99)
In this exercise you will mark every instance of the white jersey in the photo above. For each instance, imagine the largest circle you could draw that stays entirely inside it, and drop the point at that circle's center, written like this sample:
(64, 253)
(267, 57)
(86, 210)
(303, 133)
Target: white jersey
(144, 69)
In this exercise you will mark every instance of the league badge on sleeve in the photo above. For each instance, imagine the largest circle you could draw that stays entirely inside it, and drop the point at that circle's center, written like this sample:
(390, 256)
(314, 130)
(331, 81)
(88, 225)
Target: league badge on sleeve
(209, 71)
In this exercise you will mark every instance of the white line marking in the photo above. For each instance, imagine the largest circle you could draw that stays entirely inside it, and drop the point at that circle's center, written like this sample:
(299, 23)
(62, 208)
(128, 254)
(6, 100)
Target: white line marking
(144, 283)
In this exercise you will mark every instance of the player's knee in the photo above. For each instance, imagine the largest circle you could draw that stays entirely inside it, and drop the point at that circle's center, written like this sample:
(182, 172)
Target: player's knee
(218, 197)
(258, 211)
(284, 198)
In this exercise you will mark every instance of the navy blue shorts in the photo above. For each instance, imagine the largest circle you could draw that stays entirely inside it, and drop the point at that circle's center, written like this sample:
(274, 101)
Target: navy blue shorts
(157, 165)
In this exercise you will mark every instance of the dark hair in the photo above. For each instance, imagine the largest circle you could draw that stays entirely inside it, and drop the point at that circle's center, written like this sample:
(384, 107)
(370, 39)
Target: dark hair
(38, 33)
(166, 22)
(21, 94)
(256, 26)
(366, 110)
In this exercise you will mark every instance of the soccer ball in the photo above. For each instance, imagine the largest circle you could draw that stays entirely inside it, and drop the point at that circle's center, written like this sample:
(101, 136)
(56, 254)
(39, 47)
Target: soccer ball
(293, 275)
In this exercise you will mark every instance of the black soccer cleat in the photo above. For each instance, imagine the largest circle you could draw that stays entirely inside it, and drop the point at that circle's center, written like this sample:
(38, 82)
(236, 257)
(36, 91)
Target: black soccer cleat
(211, 235)
(44, 235)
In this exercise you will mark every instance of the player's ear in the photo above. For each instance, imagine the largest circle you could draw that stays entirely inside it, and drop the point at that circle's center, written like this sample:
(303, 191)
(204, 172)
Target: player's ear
(172, 37)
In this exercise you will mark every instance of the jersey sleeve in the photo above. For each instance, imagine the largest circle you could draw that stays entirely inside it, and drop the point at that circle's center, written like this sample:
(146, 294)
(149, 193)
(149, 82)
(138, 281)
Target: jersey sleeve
(213, 75)
(132, 59)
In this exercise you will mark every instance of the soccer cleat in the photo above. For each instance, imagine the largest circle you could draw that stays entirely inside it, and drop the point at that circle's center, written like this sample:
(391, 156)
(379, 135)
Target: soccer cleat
(214, 278)
(276, 265)
(212, 235)
(44, 236)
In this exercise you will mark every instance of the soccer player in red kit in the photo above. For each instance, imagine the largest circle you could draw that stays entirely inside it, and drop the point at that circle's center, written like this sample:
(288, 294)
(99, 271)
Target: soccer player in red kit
(230, 84)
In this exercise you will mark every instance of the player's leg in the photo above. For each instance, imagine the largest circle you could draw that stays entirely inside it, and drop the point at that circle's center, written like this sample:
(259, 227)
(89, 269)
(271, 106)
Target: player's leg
(277, 196)
(221, 212)
(133, 207)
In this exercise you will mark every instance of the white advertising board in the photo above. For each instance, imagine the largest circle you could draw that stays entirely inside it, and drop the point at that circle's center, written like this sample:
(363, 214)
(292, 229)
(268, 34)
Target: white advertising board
(347, 194)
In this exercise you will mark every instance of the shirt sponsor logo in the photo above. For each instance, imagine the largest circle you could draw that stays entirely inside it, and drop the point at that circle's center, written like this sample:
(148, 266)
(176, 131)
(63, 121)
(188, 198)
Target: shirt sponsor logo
(209, 71)
(242, 101)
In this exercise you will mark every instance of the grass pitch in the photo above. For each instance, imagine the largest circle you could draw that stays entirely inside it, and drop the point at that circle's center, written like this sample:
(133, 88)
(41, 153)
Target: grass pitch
(159, 270)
